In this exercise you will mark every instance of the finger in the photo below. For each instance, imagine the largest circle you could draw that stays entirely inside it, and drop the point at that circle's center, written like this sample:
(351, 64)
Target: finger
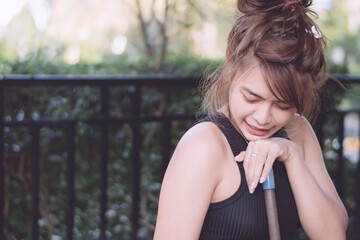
(247, 164)
(247, 157)
(267, 166)
(252, 154)
(240, 157)
(258, 168)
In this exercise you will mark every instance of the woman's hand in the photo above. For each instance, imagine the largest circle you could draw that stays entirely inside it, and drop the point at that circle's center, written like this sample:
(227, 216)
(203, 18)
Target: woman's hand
(260, 156)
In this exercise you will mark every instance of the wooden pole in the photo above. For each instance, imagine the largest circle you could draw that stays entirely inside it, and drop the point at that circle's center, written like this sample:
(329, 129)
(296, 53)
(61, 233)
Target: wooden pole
(271, 208)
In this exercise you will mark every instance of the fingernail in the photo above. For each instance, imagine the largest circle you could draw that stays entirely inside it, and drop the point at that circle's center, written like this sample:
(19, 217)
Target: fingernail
(262, 180)
(252, 187)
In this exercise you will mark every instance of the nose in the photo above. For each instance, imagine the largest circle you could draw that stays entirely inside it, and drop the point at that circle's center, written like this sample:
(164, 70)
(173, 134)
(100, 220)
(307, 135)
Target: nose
(263, 114)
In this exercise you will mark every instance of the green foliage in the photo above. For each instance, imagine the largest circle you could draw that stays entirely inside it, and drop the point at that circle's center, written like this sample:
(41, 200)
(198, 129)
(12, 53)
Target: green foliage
(64, 103)
(38, 63)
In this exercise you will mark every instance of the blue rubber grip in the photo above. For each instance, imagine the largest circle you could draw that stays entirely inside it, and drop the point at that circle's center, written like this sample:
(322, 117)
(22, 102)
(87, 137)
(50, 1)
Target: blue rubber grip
(269, 182)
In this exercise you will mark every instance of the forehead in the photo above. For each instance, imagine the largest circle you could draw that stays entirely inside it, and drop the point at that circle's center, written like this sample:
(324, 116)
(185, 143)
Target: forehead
(253, 78)
(250, 77)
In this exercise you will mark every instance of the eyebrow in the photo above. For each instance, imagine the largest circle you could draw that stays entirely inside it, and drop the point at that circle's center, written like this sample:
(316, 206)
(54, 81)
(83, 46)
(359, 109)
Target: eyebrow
(252, 93)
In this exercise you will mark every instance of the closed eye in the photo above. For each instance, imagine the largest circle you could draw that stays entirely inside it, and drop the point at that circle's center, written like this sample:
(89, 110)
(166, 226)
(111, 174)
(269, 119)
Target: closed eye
(249, 100)
(283, 107)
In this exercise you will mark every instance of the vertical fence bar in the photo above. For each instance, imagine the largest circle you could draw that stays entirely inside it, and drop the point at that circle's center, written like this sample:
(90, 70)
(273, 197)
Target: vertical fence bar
(166, 138)
(341, 165)
(357, 191)
(2, 163)
(136, 163)
(104, 159)
(166, 145)
(35, 172)
(70, 169)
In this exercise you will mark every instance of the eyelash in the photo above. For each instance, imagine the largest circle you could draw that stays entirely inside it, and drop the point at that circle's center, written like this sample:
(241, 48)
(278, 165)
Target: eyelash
(284, 108)
(248, 100)
(254, 101)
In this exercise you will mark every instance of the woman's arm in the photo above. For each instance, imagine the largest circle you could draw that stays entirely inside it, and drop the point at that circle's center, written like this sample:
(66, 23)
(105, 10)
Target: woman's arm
(322, 213)
(189, 183)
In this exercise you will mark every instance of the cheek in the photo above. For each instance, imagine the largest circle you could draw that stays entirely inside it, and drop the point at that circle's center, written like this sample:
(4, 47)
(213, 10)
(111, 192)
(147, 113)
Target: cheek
(235, 101)
(237, 98)
(238, 105)
(284, 116)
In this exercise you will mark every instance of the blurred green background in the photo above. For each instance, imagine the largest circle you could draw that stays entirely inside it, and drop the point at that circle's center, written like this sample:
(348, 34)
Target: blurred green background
(144, 36)
(131, 37)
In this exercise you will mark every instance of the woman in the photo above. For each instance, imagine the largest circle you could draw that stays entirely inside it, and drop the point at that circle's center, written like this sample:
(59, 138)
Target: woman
(256, 106)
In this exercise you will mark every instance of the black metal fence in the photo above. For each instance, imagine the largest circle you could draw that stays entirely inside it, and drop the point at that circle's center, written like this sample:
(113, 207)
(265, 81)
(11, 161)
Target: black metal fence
(135, 120)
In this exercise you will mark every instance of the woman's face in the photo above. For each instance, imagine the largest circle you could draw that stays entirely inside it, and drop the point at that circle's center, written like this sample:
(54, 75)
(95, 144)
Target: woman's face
(254, 109)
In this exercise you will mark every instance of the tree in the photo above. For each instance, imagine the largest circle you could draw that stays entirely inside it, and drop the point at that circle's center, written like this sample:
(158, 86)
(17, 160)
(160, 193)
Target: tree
(158, 19)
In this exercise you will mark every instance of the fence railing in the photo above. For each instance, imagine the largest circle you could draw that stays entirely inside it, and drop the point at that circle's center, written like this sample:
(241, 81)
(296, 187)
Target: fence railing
(104, 120)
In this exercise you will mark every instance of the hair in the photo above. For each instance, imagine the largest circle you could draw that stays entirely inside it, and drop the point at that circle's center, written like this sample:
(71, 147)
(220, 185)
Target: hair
(281, 38)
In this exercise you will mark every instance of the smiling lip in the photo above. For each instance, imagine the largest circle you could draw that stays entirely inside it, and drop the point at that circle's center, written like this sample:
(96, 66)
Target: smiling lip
(256, 131)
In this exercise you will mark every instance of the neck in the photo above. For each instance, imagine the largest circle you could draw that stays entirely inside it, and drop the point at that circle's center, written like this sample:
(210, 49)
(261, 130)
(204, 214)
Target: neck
(233, 122)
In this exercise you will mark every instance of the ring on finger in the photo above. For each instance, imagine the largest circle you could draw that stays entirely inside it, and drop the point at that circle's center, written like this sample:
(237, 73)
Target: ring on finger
(254, 154)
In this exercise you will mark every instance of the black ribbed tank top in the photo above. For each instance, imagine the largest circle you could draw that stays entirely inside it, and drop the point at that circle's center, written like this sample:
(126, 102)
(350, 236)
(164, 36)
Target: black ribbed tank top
(243, 215)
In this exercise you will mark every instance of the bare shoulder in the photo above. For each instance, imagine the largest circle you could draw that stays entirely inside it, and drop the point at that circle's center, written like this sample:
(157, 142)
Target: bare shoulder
(203, 134)
(203, 143)
(301, 132)
(189, 182)
(197, 159)
(299, 127)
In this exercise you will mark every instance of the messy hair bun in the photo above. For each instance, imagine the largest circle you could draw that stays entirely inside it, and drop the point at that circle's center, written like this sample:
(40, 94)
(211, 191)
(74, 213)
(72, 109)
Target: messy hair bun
(293, 35)
(256, 6)
(286, 43)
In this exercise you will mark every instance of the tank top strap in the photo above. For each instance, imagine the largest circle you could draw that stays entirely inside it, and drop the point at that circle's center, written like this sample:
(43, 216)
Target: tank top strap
(235, 139)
